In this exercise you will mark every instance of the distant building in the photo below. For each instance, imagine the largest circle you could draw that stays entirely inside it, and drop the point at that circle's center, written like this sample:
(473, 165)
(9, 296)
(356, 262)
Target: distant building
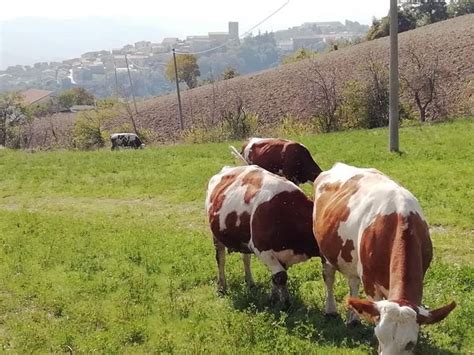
(142, 45)
(158, 48)
(170, 42)
(74, 61)
(233, 30)
(36, 96)
(334, 24)
(286, 45)
(308, 42)
(218, 37)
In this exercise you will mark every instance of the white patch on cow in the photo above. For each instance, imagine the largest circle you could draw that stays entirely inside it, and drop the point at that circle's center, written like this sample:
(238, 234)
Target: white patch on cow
(269, 258)
(396, 328)
(288, 257)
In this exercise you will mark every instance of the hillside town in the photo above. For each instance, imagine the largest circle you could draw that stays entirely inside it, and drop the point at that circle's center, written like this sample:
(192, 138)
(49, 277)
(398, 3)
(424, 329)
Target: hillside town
(104, 72)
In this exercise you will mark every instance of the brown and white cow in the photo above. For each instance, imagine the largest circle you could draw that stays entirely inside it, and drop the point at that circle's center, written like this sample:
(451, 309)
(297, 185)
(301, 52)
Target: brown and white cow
(251, 210)
(282, 157)
(371, 229)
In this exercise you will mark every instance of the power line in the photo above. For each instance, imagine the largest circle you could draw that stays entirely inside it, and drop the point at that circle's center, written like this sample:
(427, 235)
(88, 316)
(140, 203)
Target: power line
(241, 36)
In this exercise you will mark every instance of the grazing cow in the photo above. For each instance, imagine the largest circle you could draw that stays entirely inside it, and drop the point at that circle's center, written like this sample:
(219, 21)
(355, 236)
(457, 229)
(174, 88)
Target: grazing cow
(279, 156)
(371, 229)
(251, 210)
(126, 140)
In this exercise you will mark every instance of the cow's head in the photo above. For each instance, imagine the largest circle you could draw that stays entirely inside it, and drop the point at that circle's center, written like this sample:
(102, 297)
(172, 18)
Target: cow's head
(397, 323)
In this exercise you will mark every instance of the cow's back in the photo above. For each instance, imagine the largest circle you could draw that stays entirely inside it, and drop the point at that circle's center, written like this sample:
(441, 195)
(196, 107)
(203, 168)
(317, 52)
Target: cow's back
(358, 215)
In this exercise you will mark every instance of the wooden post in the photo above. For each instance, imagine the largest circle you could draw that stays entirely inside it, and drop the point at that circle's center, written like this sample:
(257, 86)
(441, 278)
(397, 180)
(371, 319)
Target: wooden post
(177, 90)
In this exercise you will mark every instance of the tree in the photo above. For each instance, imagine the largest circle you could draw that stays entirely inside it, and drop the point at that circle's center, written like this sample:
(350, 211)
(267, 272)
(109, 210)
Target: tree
(75, 96)
(229, 73)
(422, 80)
(12, 113)
(188, 69)
(460, 7)
(410, 16)
(324, 93)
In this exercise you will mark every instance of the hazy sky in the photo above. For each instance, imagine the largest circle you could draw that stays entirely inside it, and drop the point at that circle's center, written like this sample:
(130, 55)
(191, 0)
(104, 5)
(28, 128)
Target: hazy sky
(192, 15)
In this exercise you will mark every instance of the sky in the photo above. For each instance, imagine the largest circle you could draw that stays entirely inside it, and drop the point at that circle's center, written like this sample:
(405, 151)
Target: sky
(191, 15)
(46, 30)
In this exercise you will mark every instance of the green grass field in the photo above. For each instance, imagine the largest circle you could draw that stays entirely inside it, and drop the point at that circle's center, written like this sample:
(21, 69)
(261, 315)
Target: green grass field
(110, 251)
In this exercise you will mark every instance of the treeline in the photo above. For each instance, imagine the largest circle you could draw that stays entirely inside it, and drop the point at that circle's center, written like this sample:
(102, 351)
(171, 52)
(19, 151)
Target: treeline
(412, 15)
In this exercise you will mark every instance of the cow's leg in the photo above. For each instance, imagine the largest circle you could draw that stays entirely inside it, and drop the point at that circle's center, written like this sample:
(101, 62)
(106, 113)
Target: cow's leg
(329, 273)
(220, 258)
(279, 276)
(247, 269)
(352, 317)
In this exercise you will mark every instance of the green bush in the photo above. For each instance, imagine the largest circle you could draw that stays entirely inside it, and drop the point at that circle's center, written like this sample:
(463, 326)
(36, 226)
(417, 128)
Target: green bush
(353, 111)
(239, 125)
(89, 129)
(292, 127)
(234, 126)
(300, 54)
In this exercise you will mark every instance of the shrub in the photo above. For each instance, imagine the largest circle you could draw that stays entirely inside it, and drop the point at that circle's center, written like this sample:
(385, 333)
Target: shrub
(229, 73)
(75, 96)
(89, 131)
(239, 124)
(292, 127)
(234, 125)
(353, 111)
(300, 54)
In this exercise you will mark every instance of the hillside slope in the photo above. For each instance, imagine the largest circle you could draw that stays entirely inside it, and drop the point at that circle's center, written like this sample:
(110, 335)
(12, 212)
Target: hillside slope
(282, 91)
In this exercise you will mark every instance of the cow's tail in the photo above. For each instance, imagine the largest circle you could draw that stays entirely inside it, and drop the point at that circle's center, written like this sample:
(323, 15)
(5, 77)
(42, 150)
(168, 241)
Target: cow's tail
(239, 156)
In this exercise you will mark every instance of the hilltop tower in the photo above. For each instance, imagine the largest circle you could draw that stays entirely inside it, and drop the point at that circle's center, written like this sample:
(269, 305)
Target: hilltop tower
(233, 30)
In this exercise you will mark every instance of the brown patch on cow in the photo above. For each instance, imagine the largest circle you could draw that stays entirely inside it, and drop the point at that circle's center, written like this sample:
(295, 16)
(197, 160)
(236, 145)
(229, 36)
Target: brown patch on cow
(285, 223)
(218, 195)
(331, 211)
(286, 158)
(268, 154)
(236, 234)
(395, 252)
(346, 250)
(364, 308)
(253, 181)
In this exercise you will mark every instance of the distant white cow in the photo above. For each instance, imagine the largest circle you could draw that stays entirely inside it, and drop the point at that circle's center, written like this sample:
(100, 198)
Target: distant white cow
(124, 140)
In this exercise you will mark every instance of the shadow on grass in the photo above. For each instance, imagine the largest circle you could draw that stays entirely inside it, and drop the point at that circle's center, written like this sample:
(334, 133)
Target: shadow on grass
(301, 320)
(331, 331)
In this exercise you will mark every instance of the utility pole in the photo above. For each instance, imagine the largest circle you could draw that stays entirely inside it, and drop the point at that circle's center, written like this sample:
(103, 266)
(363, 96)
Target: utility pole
(131, 85)
(177, 90)
(133, 96)
(116, 79)
(394, 80)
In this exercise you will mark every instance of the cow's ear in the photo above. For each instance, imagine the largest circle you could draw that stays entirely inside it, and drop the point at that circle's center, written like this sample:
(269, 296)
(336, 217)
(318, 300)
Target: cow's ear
(436, 315)
(364, 308)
